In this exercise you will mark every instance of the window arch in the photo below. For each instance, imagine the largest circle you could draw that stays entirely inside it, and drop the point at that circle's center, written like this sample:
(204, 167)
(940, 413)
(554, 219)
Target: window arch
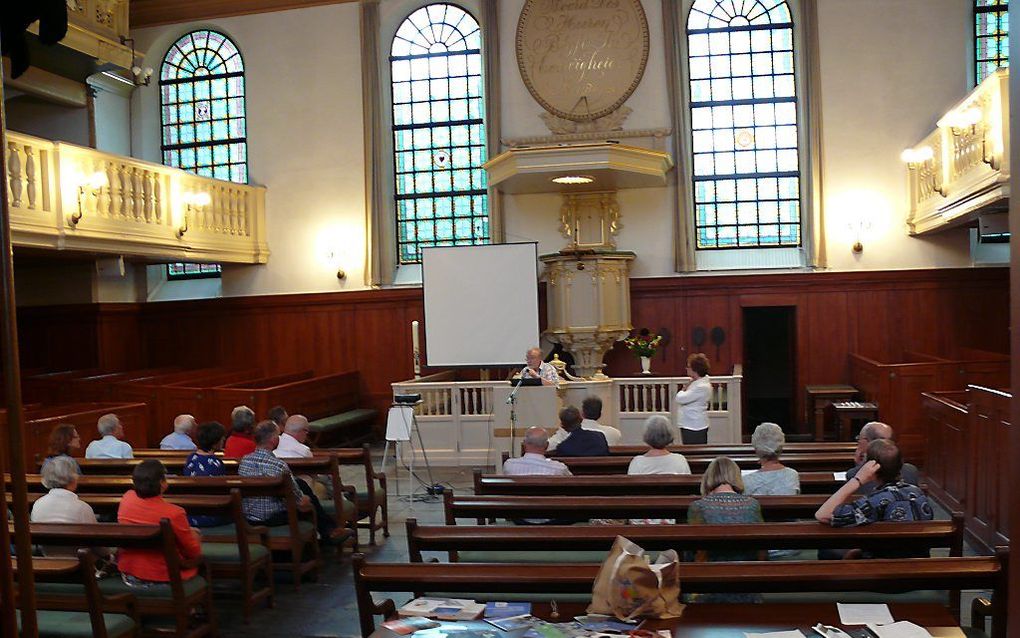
(438, 131)
(991, 37)
(202, 107)
(745, 147)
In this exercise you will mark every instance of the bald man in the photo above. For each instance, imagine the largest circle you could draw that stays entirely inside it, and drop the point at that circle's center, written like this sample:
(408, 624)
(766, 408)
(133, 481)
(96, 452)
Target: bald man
(534, 462)
(292, 441)
(877, 431)
(538, 369)
(180, 438)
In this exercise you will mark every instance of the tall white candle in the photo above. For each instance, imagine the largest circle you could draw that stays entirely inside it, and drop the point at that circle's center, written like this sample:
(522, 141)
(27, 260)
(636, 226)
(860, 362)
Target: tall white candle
(415, 349)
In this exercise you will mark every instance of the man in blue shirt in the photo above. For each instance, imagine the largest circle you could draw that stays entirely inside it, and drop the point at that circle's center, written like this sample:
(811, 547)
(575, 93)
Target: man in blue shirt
(579, 442)
(110, 446)
(179, 439)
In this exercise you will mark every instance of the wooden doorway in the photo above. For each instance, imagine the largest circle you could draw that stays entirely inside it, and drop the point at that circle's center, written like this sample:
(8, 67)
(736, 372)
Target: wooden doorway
(770, 366)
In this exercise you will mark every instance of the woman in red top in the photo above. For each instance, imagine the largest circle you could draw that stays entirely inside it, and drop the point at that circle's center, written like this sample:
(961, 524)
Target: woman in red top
(144, 505)
(240, 442)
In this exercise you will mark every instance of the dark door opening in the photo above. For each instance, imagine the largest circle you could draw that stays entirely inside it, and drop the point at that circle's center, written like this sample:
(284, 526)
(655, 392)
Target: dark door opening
(770, 367)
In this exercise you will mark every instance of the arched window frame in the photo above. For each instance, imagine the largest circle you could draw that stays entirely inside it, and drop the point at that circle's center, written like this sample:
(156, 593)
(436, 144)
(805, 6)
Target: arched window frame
(458, 183)
(810, 251)
(180, 143)
(991, 23)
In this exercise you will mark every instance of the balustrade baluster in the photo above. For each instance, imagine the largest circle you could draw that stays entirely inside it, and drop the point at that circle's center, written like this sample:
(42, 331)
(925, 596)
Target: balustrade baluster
(127, 192)
(138, 211)
(103, 196)
(30, 183)
(146, 178)
(14, 174)
(116, 191)
(157, 197)
(243, 226)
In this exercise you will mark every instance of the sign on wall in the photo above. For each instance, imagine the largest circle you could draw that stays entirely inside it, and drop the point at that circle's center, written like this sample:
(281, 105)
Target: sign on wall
(582, 59)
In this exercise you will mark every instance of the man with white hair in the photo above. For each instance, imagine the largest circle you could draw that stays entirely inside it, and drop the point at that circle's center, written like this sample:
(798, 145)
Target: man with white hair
(534, 461)
(873, 431)
(180, 438)
(110, 446)
(538, 369)
(292, 441)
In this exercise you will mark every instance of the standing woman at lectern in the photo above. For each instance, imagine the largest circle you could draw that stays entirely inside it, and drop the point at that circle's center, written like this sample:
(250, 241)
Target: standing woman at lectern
(692, 402)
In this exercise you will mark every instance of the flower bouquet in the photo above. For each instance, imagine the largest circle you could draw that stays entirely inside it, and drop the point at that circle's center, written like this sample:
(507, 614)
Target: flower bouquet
(644, 345)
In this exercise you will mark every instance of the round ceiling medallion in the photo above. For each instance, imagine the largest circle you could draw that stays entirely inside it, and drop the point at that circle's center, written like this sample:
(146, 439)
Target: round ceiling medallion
(582, 59)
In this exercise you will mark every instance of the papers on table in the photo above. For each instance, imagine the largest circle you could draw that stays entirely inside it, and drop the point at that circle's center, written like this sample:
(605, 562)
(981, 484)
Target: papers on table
(776, 634)
(839, 476)
(864, 614)
(901, 629)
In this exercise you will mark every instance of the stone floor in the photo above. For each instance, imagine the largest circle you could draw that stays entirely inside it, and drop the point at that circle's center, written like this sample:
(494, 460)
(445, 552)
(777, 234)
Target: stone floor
(327, 608)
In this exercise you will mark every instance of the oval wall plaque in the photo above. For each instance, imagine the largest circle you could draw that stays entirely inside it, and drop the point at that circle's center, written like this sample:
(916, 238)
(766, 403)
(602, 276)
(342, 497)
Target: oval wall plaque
(582, 59)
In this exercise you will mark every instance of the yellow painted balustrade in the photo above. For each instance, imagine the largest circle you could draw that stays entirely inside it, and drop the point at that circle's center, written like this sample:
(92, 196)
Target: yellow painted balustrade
(68, 197)
(961, 169)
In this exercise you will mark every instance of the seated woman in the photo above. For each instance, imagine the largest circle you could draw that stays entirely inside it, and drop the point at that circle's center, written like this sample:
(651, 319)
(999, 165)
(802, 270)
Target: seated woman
(723, 502)
(204, 462)
(144, 505)
(240, 442)
(64, 442)
(61, 504)
(774, 478)
(658, 460)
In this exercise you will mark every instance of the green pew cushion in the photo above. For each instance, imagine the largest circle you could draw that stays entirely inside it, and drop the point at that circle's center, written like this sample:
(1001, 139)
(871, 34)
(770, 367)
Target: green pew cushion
(918, 596)
(342, 420)
(329, 506)
(280, 531)
(231, 553)
(540, 556)
(380, 495)
(114, 585)
(76, 624)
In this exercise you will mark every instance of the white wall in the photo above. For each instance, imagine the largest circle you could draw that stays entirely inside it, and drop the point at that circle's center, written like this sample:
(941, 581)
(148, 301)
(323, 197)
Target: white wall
(887, 71)
(113, 121)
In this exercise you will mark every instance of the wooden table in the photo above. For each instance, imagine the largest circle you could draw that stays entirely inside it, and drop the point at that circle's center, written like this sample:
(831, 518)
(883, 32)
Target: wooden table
(818, 397)
(705, 620)
(849, 411)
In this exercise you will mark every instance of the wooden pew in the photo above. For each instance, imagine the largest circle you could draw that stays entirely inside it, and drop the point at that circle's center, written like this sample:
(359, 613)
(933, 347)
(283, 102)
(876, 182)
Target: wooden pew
(293, 538)
(560, 539)
(806, 462)
(373, 499)
(57, 612)
(735, 449)
(486, 579)
(583, 508)
(177, 604)
(174, 464)
(609, 484)
(39, 424)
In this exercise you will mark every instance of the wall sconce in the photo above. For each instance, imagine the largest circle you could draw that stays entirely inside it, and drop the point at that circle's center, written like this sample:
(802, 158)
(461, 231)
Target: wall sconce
(333, 257)
(88, 186)
(858, 225)
(918, 158)
(140, 76)
(193, 202)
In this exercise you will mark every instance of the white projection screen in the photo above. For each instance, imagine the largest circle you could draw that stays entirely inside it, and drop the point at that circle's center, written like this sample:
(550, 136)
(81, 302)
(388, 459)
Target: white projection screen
(481, 304)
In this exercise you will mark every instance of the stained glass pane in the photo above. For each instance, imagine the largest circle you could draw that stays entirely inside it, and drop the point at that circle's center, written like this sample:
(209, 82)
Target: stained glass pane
(438, 131)
(743, 124)
(202, 105)
(991, 37)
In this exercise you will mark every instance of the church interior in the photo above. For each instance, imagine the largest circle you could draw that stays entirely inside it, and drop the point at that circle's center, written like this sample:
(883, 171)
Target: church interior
(371, 212)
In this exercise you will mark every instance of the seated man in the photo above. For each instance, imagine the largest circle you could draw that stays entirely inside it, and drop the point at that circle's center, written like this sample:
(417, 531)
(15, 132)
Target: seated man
(534, 461)
(591, 410)
(292, 441)
(180, 438)
(579, 442)
(144, 505)
(110, 446)
(268, 510)
(873, 431)
(893, 500)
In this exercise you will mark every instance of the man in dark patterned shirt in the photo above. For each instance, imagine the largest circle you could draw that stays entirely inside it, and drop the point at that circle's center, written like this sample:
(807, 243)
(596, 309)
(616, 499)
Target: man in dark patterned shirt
(268, 510)
(893, 500)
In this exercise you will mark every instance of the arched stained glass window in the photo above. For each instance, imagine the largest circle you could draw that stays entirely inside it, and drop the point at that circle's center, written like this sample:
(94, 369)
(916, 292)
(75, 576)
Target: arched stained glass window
(438, 131)
(991, 37)
(744, 137)
(201, 86)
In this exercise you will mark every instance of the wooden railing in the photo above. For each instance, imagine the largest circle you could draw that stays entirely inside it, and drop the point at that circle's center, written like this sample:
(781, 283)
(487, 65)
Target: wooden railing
(962, 167)
(457, 419)
(64, 196)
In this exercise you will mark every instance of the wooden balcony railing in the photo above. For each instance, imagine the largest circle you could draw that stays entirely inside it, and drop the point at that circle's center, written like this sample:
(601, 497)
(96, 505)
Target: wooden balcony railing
(68, 197)
(961, 169)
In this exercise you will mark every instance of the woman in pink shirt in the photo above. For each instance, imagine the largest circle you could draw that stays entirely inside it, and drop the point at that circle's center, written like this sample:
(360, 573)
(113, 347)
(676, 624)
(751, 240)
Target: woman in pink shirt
(144, 505)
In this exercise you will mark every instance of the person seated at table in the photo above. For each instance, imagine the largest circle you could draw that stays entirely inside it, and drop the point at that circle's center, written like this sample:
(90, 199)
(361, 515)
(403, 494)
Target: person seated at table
(893, 500)
(591, 410)
(64, 442)
(144, 505)
(278, 415)
(180, 438)
(240, 441)
(534, 461)
(579, 442)
(874, 431)
(110, 446)
(658, 459)
(774, 478)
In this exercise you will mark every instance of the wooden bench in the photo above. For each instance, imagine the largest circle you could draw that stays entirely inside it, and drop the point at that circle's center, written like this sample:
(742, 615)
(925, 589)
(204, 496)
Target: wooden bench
(39, 423)
(175, 600)
(735, 449)
(610, 484)
(805, 462)
(583, 508)
(373, 499)
(318, 398)
(489, 581)
(61, 617)
(566, 543)
(294, 538)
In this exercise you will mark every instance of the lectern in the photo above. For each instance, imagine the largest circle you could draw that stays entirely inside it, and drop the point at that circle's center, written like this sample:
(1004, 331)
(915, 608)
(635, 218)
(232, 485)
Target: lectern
(536, 405)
